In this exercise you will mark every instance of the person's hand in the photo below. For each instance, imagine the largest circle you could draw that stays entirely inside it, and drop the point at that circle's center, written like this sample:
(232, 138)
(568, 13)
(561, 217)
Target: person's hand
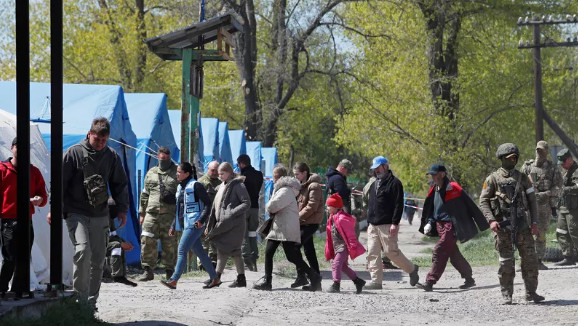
(427, 229)
(48, 218)
(393, 230)
(122, 219)
(198, 225)
(172, 232)
(36, 200)
(534, 229)
(126, 246)
(495, 226)
(141, 219)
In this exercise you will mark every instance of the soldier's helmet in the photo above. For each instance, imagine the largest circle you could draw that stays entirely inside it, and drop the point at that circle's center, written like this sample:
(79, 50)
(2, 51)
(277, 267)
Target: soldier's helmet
(507, 149)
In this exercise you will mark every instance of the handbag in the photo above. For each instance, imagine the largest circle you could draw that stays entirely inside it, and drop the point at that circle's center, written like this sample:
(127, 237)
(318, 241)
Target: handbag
(264, 229)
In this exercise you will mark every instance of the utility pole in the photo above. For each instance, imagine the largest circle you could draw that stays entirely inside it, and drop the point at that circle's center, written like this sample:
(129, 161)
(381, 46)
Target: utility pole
(536, 22)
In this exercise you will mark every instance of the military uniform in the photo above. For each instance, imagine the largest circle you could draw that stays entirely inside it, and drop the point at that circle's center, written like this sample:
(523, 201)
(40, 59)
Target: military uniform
(567, 227)
(158, 219)
(505, 197)
(546, 180)
(211, 187)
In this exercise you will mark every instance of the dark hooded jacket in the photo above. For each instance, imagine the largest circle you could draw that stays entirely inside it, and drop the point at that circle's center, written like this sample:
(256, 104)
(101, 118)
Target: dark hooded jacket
(337, 183)
(107, 163)
(385, 204)
(466, 217)
(253, 183)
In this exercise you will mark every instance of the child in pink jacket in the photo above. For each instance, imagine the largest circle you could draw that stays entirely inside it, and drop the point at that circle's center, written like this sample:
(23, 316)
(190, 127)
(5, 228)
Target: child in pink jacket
(341, 243)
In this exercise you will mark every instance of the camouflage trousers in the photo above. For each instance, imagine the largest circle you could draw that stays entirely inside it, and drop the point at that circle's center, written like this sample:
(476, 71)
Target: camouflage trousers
(154, 228)
(567, 232)
(250, 249)
(544, 216)
(529, 262)
(210, 248)
(115, 259)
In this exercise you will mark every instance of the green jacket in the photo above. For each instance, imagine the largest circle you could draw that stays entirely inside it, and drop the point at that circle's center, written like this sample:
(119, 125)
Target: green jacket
(210, 185)
(150, 198)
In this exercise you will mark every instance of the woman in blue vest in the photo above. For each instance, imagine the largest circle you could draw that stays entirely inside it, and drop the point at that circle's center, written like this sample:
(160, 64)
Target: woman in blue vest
(193, 208)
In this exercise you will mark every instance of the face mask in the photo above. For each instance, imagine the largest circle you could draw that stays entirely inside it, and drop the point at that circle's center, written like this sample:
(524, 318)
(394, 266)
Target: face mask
(508, 164)
(164, 164)
(541, 158)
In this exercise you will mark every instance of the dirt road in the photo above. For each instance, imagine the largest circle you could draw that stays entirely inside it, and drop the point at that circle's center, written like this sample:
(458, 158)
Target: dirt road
(397, 304)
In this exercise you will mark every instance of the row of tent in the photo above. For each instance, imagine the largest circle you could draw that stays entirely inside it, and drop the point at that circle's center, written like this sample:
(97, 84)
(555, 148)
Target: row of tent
(140, 124)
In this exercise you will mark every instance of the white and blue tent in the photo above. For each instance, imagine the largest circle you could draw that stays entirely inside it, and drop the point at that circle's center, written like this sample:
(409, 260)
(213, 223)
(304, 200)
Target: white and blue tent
(269, 155)
(149, 112)
(81, 104)
(254, 153)
(175, 117)
(224, 144)
(210, 137)
(238, 146)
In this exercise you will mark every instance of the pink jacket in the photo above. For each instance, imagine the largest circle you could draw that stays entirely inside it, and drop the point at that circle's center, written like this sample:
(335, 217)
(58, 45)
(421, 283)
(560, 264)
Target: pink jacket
(345, 224)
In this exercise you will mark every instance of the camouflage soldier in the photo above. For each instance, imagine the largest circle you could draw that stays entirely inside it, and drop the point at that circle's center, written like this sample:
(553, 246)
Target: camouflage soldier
(157, 212)
(506, 195)
(567, 228)
(546, 180)
(210, 180)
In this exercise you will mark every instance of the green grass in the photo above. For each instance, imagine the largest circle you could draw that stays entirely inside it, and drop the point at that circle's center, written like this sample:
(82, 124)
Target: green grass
(69, 312)
(480, 251)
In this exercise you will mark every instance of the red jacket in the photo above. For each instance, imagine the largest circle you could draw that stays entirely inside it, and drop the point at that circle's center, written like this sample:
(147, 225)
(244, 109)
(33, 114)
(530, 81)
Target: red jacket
(8, 194)
(345, 225)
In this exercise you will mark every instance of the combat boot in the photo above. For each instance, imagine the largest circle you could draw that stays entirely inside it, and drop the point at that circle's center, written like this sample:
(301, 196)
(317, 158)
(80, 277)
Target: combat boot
(359, 284)
(335, 288)
(315, 280)
(533, 296)
(541, 265)
(300, 280)
(468, 283)
(168, 273)
(264, 285)
(240, 282)
(568, 261)
(148, 275)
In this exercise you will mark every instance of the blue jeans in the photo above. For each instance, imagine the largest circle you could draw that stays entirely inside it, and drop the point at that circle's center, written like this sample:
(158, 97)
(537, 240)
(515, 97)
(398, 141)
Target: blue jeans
(191, 239)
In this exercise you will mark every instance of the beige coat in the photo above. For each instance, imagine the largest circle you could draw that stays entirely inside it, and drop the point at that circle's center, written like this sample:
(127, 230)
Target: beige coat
(311, 201)
(283, 205)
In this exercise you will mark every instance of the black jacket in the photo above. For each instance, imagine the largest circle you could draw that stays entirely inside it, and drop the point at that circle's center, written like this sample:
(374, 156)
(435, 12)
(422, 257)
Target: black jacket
(464, 213)
(253, 183)
(336, 183)
(386, 202)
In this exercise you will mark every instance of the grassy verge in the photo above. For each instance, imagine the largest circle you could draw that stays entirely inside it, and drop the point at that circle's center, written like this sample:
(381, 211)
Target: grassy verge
(69, 312)
(480, 251)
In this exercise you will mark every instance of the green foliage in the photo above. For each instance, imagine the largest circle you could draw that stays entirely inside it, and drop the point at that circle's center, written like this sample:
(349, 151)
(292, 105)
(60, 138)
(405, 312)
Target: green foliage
(67, 313)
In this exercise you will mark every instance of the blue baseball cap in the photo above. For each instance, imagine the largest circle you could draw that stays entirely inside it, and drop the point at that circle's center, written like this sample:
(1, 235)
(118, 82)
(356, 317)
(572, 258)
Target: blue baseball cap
(377, 161)
(436, 168)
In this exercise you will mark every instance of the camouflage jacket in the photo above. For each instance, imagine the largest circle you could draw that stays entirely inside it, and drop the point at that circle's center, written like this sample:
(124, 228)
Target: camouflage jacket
(150, 198)
(546, 179)
(210, 185)
(569, 198)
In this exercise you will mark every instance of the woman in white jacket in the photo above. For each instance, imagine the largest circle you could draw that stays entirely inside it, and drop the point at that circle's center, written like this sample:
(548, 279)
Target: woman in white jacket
(285, 230)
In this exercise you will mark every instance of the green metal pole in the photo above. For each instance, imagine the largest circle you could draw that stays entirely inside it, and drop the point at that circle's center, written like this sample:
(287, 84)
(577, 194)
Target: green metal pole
(187, 56)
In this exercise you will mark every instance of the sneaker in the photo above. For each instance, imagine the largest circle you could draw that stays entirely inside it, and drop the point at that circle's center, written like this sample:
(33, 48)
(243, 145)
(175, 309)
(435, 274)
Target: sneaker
(414, 276)
(468, 284)
(427, 287)
(373, 286)
(533, 296)
(124, 280)
(148, 275)
(170, 284)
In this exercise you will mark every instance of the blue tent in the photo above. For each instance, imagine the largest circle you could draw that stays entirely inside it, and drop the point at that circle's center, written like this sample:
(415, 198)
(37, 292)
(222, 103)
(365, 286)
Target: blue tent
(254, 152)
(238, 146)
(175, 117)
(224, 143)
(269, 155)
(210, 130)
(149, 113)
(81, 104)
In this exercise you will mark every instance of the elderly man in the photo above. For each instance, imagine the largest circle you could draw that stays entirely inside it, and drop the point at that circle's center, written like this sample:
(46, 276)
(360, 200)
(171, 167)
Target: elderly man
(567, 228)
(448, 212)
(337, 182)
(384, 212)
(211, 180)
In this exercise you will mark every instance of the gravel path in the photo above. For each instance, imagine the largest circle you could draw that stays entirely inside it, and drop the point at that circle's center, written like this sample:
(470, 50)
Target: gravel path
(397, 304)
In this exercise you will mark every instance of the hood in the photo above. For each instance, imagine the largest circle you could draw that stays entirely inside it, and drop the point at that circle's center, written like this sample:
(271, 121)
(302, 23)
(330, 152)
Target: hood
(331, 172)
(312, 178)
(91, 151)
(289, 182)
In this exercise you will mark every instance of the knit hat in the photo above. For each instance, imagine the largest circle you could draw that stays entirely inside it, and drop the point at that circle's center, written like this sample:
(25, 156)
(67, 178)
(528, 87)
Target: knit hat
(334, 201)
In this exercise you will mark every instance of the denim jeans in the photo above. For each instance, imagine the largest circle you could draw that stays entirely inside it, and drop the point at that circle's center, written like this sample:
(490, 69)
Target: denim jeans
(191, 239)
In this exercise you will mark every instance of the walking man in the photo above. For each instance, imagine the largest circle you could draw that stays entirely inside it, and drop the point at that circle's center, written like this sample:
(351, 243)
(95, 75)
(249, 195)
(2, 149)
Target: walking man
(449, 213)
(506, 195)
(567, 228)
(158, 206)
(547, 180)
(384, 212)
(337, 183)
(253, 182)
(90, 170)
(210, 181)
